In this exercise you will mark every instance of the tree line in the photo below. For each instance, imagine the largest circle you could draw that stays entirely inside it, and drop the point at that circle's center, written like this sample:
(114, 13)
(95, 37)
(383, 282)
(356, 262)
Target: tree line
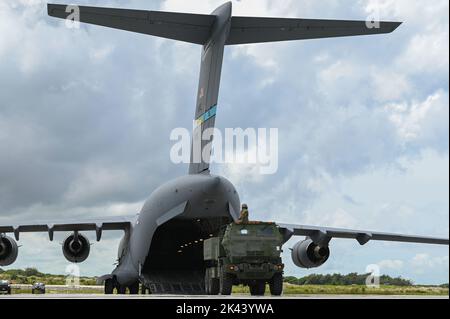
(31, 275)
(345, 280)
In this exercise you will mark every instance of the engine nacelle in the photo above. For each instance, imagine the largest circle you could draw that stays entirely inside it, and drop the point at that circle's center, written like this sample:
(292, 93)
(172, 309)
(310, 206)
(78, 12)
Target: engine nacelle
(306, 254)
(8, 251)
(76, 248)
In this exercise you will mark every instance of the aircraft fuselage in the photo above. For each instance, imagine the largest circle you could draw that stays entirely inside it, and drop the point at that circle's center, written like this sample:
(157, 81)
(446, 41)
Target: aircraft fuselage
(172, 224)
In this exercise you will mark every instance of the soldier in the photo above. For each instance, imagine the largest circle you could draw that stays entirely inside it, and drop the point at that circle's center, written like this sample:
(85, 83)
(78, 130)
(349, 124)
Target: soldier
(243, 217)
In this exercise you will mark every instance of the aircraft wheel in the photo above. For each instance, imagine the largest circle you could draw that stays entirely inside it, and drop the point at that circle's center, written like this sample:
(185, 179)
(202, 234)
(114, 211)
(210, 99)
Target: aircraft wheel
(276, 285)
(134, 288)
(121, 290)
(258, 288)
(109, 286)
(226, 284)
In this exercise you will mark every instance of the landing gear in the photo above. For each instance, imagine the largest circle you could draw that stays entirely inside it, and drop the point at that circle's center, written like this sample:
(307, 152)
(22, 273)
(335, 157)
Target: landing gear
(144, 290)
(258, 288)
(109, 286)
(276, 285)
(134, 288)
(121, 290)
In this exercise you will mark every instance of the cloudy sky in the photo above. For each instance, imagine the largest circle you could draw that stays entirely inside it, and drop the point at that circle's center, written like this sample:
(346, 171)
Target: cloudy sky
(86, 115)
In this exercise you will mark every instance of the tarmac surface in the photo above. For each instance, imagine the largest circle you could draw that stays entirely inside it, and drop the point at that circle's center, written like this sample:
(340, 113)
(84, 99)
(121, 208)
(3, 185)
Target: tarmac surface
(234, 297)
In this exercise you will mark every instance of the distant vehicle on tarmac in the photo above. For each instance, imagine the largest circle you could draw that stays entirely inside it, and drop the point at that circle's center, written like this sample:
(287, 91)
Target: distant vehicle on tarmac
(247, 254)
(38, 288)
(5, 287)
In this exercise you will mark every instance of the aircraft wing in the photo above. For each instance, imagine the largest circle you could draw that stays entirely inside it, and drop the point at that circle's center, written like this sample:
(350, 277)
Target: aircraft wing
(256, 30)
(325, 234)
(192, 28)
(96, 224)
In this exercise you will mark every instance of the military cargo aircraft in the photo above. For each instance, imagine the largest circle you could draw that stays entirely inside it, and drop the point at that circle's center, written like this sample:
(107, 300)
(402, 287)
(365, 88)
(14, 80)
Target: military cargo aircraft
(187, 210)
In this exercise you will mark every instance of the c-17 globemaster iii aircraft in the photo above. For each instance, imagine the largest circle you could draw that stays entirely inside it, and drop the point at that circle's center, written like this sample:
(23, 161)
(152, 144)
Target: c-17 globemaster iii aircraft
(162, 245)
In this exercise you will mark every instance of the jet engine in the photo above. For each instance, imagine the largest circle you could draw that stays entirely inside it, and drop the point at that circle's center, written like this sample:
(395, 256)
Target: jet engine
(307, 254)
(76, 248)
(8, 250)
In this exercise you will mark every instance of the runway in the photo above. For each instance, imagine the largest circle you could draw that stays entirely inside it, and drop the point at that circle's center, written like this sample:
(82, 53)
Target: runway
(234, 297)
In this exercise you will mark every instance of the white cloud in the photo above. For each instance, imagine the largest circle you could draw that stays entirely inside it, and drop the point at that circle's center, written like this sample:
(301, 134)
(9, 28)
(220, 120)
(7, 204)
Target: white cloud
(339, 218)
(339, 78)
(31, 2)
(246, 7)
(101, 53)
(95, 182)
(425, 121)
(390, 264)
(403, 210)
(241, 174)
(423, 262)
(417, 13)
(264, 59)
(390, 85)
(427, 53)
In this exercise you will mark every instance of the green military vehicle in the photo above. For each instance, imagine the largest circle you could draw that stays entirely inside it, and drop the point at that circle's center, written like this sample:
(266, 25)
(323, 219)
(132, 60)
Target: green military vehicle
(247, 254)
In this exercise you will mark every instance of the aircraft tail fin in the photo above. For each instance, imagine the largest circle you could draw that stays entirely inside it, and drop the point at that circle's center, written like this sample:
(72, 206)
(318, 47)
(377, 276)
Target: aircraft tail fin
(214, 32)
(187, 27)
(257, 30)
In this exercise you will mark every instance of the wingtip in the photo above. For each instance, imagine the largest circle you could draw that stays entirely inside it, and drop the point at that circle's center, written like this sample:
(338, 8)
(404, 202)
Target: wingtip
(53, 8)
(50, 7)
(395, 25)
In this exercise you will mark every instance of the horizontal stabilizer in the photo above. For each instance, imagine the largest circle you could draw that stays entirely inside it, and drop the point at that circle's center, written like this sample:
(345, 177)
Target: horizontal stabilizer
(192, 28)
(256, 30)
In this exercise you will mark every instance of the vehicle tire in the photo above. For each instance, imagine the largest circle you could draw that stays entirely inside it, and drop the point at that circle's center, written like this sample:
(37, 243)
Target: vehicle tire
(134, 288)
(43, 291)
(207, 283)
(214, 286)
(9, 291)
(109, 286)
(258, 288)
(276, 285)
(226, 284)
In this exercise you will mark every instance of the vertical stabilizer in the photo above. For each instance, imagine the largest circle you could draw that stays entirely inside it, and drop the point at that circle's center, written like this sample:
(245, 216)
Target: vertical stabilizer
(208, 90)
(214, 31)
